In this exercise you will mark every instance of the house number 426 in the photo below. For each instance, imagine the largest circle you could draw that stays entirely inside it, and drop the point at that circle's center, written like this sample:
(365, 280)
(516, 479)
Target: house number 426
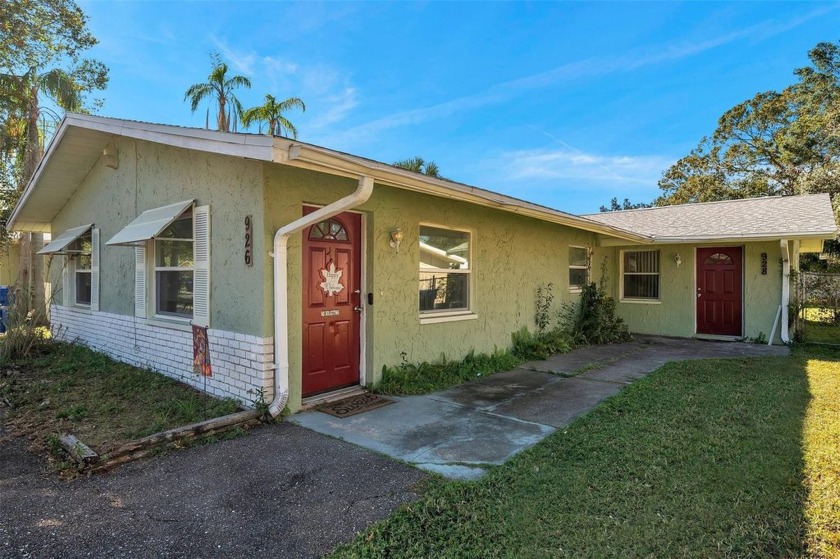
(249, 259)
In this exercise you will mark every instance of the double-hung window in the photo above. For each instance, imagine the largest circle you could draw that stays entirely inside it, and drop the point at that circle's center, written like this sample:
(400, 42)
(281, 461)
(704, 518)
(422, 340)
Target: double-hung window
(80, 253)
(640, 275)
(174, 268)
(171, 262)
(80, 276)
(444, 270)
(578, 267)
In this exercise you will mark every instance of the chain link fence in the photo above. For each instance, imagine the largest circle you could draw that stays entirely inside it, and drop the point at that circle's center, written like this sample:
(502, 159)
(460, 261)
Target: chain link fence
(818, 306)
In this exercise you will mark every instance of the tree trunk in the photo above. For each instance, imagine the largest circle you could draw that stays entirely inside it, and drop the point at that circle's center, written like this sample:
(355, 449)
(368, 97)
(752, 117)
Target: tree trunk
(31, 264)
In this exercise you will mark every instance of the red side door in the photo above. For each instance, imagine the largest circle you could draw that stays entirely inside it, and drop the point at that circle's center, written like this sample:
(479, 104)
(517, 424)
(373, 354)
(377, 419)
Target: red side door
(331, 297)
(719, 291)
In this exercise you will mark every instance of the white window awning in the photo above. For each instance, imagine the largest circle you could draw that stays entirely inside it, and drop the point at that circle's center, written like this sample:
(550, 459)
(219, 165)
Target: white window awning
(149, 224)
(59, 244)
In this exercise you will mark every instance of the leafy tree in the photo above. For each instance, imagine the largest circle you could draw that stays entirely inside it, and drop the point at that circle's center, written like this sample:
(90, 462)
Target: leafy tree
(420, 165)
(219, 88)
(777, 143)
(272, 113)
(626, 205)
(42, 73)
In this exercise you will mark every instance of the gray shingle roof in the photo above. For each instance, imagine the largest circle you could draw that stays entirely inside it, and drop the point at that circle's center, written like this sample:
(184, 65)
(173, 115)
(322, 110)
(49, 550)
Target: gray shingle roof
(777, 216)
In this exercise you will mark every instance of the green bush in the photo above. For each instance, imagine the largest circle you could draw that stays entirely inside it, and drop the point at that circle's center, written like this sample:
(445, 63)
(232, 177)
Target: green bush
(421, 378)
(541, 345)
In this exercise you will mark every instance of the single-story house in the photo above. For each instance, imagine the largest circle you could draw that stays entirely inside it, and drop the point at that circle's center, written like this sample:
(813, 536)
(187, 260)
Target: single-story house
(312, 269)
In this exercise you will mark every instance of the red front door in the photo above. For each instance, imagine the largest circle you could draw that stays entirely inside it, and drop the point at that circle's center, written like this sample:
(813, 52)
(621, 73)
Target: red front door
(719, 291)
(331, 295)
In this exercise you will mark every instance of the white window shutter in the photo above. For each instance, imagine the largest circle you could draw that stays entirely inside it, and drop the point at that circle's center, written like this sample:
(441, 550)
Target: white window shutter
(94, 269)
(140, 281)
(65, 282)
(201, 276)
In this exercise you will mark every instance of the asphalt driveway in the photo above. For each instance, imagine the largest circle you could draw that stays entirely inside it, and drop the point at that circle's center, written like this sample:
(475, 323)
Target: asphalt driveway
(280, 491)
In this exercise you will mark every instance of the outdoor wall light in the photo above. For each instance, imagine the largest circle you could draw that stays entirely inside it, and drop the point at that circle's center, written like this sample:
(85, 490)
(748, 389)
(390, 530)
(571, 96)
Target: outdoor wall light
(678, 260)
(110, 157)
(397, 237)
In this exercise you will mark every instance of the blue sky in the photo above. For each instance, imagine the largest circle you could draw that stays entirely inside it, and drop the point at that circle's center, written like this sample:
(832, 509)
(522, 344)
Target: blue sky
(563, 104)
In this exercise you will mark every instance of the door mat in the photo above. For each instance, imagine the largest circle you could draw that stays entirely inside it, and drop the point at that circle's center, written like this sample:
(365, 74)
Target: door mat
(354, 404)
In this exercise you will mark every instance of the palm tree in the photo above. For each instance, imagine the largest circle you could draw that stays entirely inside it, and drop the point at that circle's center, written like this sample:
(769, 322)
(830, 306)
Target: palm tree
(219, 87)
(23, 134)
(272, 112)
(420, 165)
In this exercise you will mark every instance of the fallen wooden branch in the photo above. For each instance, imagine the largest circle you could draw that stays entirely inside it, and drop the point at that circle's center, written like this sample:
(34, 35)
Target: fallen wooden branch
(79, 451)
(148, 445)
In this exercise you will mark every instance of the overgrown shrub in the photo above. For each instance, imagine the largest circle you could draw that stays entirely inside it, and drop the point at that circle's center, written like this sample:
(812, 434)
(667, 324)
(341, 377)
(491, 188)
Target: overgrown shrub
(24, 336)
(593, 320)
(541, 345)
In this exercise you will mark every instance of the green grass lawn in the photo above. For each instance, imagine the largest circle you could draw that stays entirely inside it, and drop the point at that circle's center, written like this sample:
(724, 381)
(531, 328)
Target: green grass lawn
(820, 327)
(68, 388)
(718, 458)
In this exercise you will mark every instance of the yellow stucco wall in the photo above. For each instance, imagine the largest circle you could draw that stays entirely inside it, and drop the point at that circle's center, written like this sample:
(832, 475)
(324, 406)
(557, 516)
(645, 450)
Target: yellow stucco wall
(674, 314)
(511, 256)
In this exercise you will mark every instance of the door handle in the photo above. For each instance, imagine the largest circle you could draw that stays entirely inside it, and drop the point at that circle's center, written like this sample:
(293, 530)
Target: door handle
(358, 308)
(698, 295)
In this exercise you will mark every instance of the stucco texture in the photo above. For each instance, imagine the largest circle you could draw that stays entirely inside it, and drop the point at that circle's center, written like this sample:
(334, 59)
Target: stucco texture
(9, 263)
(151, 175)
(674, 313)
(511, 256)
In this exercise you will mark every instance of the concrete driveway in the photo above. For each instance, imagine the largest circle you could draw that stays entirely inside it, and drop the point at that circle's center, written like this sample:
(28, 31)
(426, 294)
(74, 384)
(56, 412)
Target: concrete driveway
(280, 491)
(458, 432)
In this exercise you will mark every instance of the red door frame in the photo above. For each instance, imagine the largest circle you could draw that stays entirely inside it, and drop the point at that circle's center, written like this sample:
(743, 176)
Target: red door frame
(719, 307)
(331, 343)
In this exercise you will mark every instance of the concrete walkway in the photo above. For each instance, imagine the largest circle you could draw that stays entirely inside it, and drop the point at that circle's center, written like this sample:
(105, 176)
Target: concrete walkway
(460, 431)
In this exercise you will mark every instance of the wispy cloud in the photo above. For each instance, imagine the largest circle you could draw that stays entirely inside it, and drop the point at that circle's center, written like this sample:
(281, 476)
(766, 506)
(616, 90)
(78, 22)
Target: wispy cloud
(570, 164)
(581, 69)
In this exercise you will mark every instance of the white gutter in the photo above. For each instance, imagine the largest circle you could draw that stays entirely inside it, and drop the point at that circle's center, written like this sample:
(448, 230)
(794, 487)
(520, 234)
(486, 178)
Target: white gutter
(783, 327)
(281, 281)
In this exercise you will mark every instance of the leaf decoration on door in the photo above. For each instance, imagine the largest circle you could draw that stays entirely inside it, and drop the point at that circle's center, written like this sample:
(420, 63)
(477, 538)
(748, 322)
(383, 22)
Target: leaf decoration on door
(332, 280)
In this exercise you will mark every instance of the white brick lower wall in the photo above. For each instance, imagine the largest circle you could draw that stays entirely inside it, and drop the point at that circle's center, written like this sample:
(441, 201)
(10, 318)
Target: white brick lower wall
(242, 364)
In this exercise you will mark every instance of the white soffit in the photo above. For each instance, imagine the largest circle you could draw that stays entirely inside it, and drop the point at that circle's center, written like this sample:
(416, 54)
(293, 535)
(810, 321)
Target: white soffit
(63, 241)
(149, 224)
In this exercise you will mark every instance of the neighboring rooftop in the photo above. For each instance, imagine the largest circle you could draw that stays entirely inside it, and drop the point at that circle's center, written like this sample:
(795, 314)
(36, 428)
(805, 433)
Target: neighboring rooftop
(752, 218)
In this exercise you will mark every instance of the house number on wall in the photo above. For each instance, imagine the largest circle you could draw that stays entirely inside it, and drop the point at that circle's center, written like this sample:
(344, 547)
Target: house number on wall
(763, 263)
(249, 260)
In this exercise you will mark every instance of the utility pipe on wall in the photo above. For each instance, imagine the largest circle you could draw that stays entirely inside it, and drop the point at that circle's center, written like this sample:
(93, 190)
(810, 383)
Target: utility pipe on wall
(783, 327)
(281, 283)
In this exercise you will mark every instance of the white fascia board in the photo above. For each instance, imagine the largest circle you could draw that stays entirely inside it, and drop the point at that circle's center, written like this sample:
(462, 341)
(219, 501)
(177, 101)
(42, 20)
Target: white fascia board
(61, 242)
(149, 224)
(323, 160)
(725, 240)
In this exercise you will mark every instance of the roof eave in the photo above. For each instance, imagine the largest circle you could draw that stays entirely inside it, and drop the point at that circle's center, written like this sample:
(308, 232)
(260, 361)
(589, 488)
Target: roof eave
(324, 160)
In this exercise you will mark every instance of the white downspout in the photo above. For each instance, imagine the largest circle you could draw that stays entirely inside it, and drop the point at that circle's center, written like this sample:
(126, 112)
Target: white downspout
(281, 281)
(783, 327)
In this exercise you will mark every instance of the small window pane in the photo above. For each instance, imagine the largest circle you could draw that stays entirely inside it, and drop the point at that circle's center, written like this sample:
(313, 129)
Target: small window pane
(642, 261)
(83, 288)
(444, 291)
(175, 292)
(329, 229)
(444, 248)
(173, 254)
(718, 258)
(578, 277)
(642, 286)
(83, 262)
(578, 256)
(181, 228)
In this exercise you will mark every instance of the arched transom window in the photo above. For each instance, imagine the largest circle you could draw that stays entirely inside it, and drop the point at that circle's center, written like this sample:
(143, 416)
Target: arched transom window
(718, 258)
(328, 230)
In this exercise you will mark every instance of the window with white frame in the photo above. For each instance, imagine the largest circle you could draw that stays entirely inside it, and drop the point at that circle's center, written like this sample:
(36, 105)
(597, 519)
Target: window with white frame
(445, 269)
(174, 268)
(81, 270)
(640, 274)
(578, 267)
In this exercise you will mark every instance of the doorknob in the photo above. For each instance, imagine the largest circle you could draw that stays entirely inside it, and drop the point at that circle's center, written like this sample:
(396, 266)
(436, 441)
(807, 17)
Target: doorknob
(358, 308)
(698, 294)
